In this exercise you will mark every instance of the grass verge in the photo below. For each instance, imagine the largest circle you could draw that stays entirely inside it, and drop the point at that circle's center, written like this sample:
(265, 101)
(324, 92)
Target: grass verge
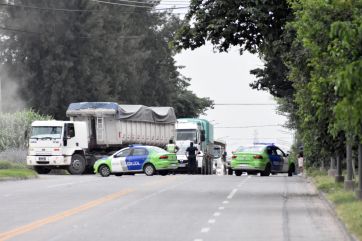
(10, 170)
(348, 207)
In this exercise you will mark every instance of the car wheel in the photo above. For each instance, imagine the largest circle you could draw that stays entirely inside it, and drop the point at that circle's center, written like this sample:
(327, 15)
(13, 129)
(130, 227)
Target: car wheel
(266, 172)
(291, 170)
(149, 170)
(42, 170)
(77, 165)
(104, 171)
(238, 173)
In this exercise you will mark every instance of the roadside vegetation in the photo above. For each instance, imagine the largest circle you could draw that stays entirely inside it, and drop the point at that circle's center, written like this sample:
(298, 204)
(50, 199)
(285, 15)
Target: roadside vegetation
(15, 170)
(348, 207)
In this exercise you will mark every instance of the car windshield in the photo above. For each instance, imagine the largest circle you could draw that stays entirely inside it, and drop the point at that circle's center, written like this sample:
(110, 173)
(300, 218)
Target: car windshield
(186, 135)
(53, 132)
(251, 149)
(159, 150)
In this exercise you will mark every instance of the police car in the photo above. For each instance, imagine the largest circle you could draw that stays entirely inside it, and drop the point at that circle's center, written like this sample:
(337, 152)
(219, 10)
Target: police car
(137, 159)
(261, 158)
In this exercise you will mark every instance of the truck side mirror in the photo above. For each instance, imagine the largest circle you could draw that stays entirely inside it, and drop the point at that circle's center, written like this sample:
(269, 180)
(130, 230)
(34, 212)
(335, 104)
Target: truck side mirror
(65, 134)
(202, 135)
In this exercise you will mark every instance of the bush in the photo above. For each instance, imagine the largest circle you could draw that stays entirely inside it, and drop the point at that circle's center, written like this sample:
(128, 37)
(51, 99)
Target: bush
(11, 165)
(15, 128)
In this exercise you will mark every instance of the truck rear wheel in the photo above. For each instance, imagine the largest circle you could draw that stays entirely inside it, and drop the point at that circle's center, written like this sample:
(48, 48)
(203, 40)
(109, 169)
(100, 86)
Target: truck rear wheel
(42, 170)
(77, 165)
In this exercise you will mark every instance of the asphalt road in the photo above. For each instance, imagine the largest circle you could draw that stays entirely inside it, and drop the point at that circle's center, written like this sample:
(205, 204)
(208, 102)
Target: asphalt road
(180, 207)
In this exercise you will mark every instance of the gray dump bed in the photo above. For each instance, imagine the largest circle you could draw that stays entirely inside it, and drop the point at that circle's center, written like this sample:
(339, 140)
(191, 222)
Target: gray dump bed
(112, 124)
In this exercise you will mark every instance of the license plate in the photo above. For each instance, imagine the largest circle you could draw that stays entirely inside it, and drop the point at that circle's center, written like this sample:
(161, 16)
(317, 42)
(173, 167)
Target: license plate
(244, 165)
(182, 165)
(42, 158)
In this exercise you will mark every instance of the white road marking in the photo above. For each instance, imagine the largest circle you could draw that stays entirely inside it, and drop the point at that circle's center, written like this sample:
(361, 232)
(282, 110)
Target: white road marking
(198, 239)
(205, 230)
(211, 221)
(221, 208)
(232, 193)
(217, 214)
(7, 195)
(225, 202)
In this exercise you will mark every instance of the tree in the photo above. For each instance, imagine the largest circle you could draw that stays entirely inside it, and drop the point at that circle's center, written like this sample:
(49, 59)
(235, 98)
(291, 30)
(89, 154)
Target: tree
(255, 26)
(100, 52)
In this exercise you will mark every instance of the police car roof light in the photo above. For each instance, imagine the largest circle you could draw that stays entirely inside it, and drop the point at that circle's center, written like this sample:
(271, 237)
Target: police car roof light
(263, 143)
(134, 145)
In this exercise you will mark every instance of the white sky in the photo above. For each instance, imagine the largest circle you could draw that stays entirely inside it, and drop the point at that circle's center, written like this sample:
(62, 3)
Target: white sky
(225, 78)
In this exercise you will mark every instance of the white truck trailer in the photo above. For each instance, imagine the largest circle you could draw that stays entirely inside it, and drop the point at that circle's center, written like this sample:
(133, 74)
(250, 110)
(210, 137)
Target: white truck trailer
(96, 129)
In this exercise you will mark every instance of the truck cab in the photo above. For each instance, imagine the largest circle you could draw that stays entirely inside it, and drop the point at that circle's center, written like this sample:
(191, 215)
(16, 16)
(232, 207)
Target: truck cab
(58, 144)
(194, 130)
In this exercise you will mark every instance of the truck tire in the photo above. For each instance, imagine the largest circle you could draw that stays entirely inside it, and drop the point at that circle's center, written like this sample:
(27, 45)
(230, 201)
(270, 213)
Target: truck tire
(164, 172)
(77, 165)
(104, 171)
(149, 169)
(42, 170)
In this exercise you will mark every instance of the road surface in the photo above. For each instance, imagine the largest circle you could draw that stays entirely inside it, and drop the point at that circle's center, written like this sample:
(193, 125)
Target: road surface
(176, 207)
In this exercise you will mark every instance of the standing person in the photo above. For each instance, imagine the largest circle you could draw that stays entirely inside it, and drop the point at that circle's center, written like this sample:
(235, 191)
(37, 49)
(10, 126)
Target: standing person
(300, 162)
(171, 147)
(191, 157)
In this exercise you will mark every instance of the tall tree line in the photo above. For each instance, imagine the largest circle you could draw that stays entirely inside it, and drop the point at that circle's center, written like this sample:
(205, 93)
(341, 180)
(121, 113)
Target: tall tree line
(63, 51)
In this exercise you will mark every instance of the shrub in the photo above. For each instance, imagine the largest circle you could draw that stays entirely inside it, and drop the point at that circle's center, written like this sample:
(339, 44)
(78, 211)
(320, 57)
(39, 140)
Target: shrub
(15, 128)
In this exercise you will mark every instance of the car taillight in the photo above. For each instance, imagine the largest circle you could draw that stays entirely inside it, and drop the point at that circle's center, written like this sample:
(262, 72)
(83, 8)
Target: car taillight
(258, 157)
(233, 157)
(163, 157)
(56, 149)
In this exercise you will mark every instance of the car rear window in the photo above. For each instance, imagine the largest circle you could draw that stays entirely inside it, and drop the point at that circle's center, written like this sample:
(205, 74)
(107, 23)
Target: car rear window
(251, 149)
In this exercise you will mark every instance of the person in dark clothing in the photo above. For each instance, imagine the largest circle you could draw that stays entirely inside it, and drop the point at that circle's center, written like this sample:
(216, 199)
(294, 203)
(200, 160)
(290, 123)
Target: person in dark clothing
(191, 152)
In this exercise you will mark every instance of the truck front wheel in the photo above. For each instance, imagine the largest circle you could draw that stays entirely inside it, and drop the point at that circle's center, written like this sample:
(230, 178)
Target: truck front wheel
(42, 170)
(77, 165)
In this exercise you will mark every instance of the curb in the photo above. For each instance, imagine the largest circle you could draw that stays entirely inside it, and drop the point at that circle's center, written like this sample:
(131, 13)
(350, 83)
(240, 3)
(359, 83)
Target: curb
(332, 210)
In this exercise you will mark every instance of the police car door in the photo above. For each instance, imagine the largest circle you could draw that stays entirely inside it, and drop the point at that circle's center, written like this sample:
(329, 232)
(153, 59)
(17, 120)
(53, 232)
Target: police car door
(276, 160)
(136, 160)
(119, 160)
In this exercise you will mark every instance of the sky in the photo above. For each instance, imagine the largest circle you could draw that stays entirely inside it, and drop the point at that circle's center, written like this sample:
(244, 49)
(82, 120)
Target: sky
(225, 78)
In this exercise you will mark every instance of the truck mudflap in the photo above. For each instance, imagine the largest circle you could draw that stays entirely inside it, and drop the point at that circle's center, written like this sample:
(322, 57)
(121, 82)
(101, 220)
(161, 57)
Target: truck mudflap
(48, 160)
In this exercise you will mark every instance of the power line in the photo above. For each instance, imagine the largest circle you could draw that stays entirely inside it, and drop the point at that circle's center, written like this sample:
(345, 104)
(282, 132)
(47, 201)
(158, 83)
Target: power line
(81, 37)
(246, 104)
(81, 10)
(244, 127)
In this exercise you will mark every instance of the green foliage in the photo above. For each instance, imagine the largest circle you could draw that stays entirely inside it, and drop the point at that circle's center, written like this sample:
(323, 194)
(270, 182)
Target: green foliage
(348, 208)
(106, 53)
(15, 128)
(11, 165)
(17, 173)
(254, 26)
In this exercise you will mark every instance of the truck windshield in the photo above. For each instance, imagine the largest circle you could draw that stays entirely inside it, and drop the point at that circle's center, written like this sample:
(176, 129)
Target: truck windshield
(186, 135)
(217, 152)
(40, 132)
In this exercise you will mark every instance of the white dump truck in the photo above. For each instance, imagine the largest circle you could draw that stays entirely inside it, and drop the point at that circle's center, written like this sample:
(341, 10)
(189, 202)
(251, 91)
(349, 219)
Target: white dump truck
(201, 133)
(96, 129)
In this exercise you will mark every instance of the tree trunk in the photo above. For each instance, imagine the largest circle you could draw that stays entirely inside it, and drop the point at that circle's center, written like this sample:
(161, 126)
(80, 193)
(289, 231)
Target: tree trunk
(339, 177)
(348, 184)
(332, 167)
(359, 189)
